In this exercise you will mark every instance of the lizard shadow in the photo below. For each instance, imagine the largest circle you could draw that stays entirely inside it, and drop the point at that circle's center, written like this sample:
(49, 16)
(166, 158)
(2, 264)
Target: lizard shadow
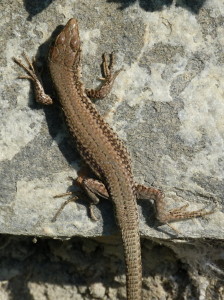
(35, 7)
(193, 6)
(53, 113)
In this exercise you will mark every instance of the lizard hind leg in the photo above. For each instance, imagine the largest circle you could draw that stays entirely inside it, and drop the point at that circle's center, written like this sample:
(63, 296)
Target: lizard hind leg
(63, 204)
(162, 214)
(181, 214)
(91, 187)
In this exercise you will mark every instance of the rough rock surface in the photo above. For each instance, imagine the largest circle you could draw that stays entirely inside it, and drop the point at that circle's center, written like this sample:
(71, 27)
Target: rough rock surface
(168, 107)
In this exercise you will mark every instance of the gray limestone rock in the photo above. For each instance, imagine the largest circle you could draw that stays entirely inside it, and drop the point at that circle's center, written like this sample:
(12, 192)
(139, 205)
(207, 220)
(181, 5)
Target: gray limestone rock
(167, 105)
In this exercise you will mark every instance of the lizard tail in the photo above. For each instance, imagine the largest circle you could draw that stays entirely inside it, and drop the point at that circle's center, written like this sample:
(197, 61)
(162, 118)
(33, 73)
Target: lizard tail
(132, 252)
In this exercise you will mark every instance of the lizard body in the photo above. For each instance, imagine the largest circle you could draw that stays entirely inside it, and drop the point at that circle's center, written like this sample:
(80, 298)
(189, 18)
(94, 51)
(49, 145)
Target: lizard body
(99, 146)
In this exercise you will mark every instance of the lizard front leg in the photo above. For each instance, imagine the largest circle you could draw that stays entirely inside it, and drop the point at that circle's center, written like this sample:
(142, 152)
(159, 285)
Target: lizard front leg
(108, 77)
(33, 75)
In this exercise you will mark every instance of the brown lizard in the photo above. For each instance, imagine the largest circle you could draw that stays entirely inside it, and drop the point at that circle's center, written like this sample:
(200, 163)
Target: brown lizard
(101, 148)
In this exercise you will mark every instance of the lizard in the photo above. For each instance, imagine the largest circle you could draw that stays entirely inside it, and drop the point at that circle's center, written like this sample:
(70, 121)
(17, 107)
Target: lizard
(100, 147)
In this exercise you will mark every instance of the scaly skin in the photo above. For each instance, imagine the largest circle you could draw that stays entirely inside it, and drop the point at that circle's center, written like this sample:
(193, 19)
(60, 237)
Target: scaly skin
(99, 146)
